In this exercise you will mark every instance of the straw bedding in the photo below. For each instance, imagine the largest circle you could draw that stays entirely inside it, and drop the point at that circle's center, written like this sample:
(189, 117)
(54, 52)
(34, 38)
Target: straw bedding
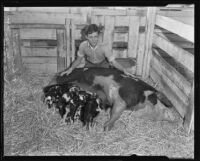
(31, 129)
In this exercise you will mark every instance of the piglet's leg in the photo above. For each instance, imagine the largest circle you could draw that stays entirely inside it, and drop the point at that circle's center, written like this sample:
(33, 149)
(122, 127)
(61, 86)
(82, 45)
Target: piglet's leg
(116, 112)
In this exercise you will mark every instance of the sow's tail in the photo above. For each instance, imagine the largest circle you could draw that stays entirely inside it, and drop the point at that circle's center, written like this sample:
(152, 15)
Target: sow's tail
(164, 99)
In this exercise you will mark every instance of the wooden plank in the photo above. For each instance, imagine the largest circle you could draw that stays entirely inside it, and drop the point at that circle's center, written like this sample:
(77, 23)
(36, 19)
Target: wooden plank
(80, 10)
(127, 62)
(140, 53)
(133, 36)
(78, 21)
(15, 35)
(183, 13)
(44, 9)
(67, 31)
(73, 40)
(151, 17)
(42, 68)
(97, 19)
(41, 43)
(108, 12)
(120, 45)
(179, 28)
(174, 38)
(61, 50)
(189, 76)
(38, 34)
(134, 12)
(39, 60)
(120, 37)
(143, 21)
(60, 44)
(188, 123)
(37, 26)
(185, 20)
(171, 73)
(60, 64)
(121, 20)
(108, 33)
(38, 51)
(119, 53)
(167, 90)
(47, 18)
(121, 29)
(176, 52)
(183, 97)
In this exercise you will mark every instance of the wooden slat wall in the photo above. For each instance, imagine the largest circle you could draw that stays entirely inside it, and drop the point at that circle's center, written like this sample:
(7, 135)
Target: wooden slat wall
(175, 85)
(133, 17)
(111, 19)
(171, 73)
(121, 20)
(45, 17)
(40, 59)
(39, 52)
(168, 91)
(38, 34)
(179, 28)
(176, 52)
(42, 68)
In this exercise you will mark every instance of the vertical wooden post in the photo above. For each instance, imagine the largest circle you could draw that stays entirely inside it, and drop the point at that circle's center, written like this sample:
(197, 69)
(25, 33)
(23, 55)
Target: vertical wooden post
(67, 31)
(151, 17)
(134, 23)
(188, 123)
(108, 33)
(61, 53)
(140, 51)
(16, 50)
(73, 30)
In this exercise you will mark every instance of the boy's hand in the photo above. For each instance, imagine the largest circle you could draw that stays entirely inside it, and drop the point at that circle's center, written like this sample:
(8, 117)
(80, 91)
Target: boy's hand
(66, 72)
(128, 72)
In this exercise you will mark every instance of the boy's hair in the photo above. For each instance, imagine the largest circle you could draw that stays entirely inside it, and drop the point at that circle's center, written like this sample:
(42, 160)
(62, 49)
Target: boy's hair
(91, 29)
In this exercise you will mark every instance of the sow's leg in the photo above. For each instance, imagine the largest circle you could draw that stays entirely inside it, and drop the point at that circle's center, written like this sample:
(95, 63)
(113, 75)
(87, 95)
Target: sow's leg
(115, 114)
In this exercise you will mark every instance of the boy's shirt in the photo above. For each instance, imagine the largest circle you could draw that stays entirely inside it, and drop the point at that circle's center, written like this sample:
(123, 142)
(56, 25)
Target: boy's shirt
(96, 54)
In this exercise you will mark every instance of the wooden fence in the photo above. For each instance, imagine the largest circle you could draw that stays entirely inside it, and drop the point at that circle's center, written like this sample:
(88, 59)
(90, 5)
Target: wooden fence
(173, 67)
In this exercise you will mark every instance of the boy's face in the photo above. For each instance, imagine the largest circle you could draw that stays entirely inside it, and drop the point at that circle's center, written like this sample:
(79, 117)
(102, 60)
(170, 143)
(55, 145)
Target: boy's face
(93, 38)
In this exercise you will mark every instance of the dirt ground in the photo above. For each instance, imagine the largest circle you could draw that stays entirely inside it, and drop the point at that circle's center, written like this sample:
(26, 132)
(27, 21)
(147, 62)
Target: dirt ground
(30, 129)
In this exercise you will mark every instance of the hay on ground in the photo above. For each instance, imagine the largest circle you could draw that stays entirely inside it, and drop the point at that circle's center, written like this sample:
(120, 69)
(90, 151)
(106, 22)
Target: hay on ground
(29, 129)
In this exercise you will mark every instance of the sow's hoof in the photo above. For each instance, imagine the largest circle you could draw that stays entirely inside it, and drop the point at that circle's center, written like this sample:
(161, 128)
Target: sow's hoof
(108, 126)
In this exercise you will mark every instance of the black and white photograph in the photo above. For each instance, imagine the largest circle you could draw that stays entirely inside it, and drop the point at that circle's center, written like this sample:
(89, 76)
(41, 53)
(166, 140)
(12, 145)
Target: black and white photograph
(99, 81)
